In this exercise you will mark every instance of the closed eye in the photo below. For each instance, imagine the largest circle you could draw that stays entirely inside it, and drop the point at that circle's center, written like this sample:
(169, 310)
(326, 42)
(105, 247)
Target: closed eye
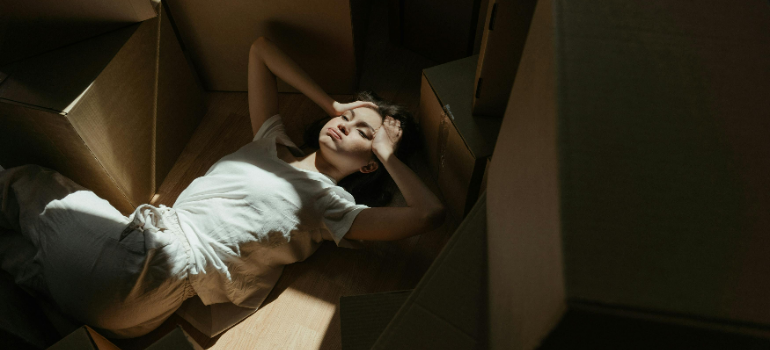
(363, 134)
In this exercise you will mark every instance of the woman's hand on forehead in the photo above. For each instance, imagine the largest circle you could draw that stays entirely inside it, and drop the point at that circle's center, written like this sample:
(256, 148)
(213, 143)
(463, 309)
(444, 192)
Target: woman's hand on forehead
(339, 108)
(386, 138)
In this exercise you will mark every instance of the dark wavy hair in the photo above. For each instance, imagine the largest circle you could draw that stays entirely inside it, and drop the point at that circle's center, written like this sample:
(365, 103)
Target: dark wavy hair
(374, 189)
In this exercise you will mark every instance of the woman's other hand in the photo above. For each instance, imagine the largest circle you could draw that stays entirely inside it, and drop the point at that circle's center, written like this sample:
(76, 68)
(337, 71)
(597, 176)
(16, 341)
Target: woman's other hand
(338, 108)
(386, 138)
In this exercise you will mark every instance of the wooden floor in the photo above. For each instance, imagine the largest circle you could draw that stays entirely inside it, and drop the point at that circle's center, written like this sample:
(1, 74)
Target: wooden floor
(302, 311)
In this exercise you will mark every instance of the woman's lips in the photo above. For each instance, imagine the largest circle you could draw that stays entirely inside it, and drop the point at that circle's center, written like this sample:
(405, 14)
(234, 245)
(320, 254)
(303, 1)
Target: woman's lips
(334, 134)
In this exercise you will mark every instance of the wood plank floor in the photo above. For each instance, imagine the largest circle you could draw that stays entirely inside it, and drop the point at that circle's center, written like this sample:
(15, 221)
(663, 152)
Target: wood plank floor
(302, 311)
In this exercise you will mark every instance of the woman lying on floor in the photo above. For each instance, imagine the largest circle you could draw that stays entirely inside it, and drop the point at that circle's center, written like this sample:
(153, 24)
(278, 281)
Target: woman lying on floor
(230, 233)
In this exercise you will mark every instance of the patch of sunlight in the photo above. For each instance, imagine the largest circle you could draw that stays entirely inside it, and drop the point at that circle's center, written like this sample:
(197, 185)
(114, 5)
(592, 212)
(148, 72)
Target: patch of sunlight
(75, 102)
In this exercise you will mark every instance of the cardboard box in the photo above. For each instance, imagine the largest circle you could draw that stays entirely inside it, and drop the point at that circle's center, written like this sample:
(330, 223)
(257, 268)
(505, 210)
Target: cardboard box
(325, 38)
(84, 338)
(457, 143)
(214, 319)
(112, 112)
(177, 339)
(364, 317)
(507, 25)
(448, 308)
(30, 28)
(181, 101)
(441, 31)
(632, 180)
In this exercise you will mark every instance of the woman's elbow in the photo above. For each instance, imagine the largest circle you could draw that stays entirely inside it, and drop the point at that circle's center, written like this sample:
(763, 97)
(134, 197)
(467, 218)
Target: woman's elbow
(435, 217)
(260, 43)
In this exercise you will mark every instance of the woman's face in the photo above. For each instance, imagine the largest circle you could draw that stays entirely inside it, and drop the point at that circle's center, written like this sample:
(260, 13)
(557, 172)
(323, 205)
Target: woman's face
(346, 141)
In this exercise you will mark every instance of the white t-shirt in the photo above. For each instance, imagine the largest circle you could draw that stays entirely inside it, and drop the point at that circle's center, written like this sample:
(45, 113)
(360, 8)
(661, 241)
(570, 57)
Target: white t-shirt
(252, 213)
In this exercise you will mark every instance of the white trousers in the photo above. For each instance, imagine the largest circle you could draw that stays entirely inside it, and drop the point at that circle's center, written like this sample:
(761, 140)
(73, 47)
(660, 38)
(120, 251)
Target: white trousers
(123, 276)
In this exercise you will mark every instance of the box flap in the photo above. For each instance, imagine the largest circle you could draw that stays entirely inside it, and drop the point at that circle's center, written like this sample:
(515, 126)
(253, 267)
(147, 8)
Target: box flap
(32, 27)
(55, 79)
(177, 339)
(448, 308)
(453, 85)
(364, 317)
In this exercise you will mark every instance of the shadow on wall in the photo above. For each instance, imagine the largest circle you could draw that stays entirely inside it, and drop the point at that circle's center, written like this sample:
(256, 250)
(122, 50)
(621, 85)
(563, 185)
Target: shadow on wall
(303, 41)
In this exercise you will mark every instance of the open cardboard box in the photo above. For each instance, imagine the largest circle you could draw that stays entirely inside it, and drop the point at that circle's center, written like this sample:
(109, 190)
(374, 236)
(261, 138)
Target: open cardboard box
(448, 307)
(112, 112)
(632, 178)
(458, 144)
(29, 28)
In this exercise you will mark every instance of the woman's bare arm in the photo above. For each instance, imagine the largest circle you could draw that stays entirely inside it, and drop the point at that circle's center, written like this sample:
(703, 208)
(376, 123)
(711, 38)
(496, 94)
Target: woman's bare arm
(263, 93)
(424, 211)
(266, 62)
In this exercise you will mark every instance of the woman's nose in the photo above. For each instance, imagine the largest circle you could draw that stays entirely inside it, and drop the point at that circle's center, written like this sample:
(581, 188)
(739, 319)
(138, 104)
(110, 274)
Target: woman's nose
(344, 129)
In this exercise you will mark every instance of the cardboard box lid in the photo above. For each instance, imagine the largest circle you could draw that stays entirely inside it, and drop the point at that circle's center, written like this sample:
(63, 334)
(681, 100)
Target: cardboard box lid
(453, 85)
(448, 308)
(29, 28)
(364, 317)
(84, 338)
(55, 80)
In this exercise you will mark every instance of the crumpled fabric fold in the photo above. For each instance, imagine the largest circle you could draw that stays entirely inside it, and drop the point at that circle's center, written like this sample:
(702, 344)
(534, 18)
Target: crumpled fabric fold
(148, 217)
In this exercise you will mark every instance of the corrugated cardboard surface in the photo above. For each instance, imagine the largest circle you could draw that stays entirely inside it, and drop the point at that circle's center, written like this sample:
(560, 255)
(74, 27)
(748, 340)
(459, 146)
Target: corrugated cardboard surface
(484, 10)
(177, 339)
(453, 85)
(318, 35)
(637, 134)
(663, 123)
(122, 126)
(55, 79)
(526, 278)
(448, 308)
(502, 46)
(449, 159)
(364, 317)
(180, 101)
(457, 143)
(115, 117)
(431, 117)
(28, 28)
(33, 136)
(107, 86)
